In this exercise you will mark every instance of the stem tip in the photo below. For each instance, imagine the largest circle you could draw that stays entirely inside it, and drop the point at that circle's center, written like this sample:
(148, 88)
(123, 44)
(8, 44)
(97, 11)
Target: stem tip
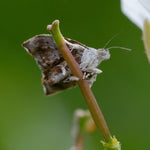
(50, 27)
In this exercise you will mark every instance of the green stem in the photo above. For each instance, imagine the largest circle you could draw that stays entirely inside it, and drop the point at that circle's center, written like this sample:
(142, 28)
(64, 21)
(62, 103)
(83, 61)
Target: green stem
(85, 89)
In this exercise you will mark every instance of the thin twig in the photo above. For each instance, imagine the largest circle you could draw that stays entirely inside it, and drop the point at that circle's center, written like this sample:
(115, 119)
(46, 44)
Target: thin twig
(84, 87)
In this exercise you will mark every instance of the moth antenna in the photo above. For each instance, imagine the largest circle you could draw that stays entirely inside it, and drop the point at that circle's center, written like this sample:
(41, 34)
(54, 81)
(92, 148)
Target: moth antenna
(111, 39)
(128, 49)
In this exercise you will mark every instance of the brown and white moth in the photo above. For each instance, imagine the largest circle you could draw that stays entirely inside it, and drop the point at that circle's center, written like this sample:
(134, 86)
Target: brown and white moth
(56, 75)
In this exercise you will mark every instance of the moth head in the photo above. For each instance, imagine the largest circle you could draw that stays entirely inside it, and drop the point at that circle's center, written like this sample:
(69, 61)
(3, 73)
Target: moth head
(104, 53)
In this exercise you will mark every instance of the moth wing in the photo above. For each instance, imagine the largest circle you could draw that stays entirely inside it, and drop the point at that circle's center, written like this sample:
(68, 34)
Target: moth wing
(44, 50)
(48, 57)
(75, 42)
(55, 88)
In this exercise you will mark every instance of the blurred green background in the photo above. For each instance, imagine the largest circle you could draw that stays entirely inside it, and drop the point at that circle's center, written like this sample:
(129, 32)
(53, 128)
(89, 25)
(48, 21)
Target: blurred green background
(31, 121)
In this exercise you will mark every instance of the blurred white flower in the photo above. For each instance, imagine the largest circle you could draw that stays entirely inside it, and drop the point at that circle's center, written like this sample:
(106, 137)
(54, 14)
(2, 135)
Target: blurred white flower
(137, 11)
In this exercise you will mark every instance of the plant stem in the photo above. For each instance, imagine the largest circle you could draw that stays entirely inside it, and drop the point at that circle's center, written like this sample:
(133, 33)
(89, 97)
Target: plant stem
(84, 87)
(79, 142)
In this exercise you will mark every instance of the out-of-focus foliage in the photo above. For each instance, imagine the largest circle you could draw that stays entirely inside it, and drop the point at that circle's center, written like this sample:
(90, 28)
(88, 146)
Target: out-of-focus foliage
(31, 121)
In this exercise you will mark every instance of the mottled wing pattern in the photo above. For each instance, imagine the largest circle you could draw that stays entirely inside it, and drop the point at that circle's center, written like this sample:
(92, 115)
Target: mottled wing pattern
(54, 68)
(44, 50)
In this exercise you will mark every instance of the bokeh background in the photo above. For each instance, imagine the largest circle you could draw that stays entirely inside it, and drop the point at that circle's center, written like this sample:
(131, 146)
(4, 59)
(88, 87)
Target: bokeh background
(31, 121)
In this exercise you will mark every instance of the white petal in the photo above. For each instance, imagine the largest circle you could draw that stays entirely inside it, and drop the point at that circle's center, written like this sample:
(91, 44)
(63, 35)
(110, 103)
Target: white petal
(137, 11)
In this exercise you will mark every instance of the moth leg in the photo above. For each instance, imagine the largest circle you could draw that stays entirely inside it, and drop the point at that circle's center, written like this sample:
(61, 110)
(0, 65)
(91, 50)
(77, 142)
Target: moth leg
(71, 49)
(86, 75)
(92, 80)
(71, 78)
(94, 70)
(89, 74)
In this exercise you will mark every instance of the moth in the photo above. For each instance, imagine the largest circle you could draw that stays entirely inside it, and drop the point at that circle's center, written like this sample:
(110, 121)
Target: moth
(56, 75)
